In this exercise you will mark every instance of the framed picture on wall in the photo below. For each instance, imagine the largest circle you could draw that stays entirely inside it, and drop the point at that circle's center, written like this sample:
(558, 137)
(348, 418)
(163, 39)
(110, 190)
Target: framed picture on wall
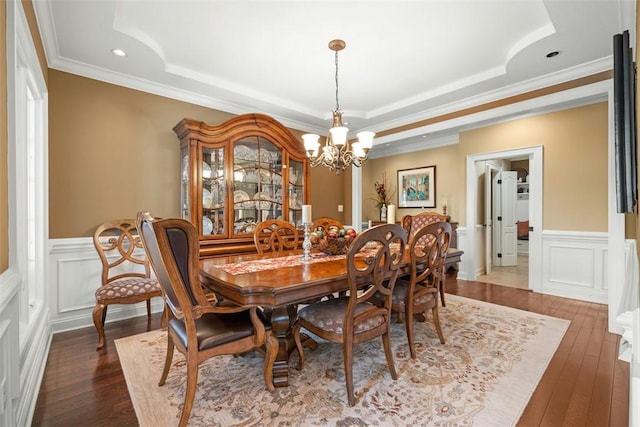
(417, 187)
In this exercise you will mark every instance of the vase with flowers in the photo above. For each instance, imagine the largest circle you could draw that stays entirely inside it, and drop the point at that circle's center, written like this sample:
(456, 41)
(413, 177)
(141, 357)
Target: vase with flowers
(383, 198)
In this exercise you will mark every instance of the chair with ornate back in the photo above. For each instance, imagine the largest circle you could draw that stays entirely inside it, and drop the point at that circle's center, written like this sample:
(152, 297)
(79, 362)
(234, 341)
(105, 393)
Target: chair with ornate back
(325, 223)
(197, 328)
(354, 318)
(126, 275)
(274, 235)
(420, 293)
(413, 223)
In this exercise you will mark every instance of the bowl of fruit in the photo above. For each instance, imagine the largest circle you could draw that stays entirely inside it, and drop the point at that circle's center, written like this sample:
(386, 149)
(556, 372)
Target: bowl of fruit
(335, 241)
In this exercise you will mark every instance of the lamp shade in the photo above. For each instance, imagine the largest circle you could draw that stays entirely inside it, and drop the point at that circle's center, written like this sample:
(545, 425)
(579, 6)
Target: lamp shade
(311, 144)
(366, 139)
(339, 135)
(357, 149)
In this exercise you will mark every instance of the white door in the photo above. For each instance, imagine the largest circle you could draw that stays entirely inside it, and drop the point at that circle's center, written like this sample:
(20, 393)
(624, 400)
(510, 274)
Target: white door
(505, 250)
(509, 235)
(496, 247)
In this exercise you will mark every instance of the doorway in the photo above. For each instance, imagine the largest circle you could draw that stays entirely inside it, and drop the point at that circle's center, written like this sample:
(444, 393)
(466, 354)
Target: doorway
(504, 195)
(474, 265)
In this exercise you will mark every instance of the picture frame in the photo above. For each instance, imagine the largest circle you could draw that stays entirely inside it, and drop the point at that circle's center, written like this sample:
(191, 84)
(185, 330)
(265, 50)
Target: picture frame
(417, 187)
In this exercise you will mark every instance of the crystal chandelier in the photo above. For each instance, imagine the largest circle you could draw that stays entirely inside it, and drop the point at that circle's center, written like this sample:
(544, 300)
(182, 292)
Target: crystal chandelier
(338, 154)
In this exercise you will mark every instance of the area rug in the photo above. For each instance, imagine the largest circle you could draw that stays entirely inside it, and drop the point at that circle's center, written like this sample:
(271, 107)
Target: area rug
(483, 376)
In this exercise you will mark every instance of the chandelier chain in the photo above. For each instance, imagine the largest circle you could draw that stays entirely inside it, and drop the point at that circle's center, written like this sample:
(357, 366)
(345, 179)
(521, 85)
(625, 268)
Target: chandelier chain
(337, 102)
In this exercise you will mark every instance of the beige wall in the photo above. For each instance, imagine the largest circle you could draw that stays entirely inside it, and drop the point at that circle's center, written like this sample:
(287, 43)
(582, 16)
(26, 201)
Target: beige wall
(575, 162)
(575, 166)
(448, 180)
(112, 153)
(327, 192)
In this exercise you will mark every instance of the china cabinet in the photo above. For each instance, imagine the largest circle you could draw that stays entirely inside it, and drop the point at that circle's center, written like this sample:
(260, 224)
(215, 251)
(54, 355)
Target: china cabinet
(237, 174)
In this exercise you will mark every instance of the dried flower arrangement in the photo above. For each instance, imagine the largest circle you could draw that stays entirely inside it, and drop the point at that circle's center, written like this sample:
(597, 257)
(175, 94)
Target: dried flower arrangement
(383, 197)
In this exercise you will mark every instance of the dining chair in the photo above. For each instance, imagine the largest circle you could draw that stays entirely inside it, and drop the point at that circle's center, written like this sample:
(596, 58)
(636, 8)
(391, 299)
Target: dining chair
(444, 242)
(325, 223)
(354, 318)
(274, 235)
(126, 275)
(198, 328)
(413, 223)
(420, 293)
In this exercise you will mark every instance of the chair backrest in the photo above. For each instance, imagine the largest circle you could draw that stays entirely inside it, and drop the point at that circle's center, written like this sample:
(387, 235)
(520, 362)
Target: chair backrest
(326, 223)
(120, 250)
(413, 223)
(275, 235)
(172, 246)
(427, 260)
(444, 241)
(373, 259)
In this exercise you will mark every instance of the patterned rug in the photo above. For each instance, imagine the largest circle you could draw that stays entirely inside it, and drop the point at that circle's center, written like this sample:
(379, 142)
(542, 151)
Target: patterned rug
(483, 376)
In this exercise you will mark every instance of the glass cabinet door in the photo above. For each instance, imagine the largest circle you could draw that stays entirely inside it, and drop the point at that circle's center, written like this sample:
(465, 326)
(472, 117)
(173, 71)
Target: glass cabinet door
(236, 174)
(296, 192)
(257, 183)
(213, 192)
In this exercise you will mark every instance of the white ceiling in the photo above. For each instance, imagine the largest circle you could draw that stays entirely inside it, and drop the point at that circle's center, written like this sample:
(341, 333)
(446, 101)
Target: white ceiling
(405, 61)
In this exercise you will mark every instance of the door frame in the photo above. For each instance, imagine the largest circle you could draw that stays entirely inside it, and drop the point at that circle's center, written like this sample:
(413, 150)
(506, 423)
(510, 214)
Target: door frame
(489, 169)
(535, 210)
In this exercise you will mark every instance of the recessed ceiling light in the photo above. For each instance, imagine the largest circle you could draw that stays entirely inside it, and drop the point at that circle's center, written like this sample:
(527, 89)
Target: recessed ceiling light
(118, 52)
(553, 54)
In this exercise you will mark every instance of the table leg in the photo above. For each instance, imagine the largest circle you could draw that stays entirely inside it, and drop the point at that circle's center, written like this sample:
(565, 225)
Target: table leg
(282, 320)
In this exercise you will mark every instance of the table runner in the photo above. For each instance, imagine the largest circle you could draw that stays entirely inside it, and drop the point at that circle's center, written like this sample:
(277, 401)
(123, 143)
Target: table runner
(288, 261)
(274, 263)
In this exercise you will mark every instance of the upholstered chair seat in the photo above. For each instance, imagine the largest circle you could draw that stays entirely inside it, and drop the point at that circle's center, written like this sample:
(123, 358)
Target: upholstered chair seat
(329, 315)
(124, 288)
(423, 298)
(215, 330)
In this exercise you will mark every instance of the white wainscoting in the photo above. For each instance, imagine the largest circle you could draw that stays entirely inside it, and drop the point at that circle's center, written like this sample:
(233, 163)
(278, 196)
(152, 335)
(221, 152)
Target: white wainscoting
(17, 391)
(75, 270)
(574, 265)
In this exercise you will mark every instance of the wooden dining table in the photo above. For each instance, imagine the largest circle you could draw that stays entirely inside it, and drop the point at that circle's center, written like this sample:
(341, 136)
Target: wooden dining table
(278, 282)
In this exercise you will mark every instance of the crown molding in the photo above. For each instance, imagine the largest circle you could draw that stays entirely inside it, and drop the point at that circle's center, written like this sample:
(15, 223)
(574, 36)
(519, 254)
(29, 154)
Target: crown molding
(541, 82)
(446, 132)
(422, 142)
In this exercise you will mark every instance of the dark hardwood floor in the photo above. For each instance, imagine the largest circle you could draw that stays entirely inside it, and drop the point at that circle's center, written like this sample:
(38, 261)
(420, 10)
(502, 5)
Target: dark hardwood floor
(584, 385)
